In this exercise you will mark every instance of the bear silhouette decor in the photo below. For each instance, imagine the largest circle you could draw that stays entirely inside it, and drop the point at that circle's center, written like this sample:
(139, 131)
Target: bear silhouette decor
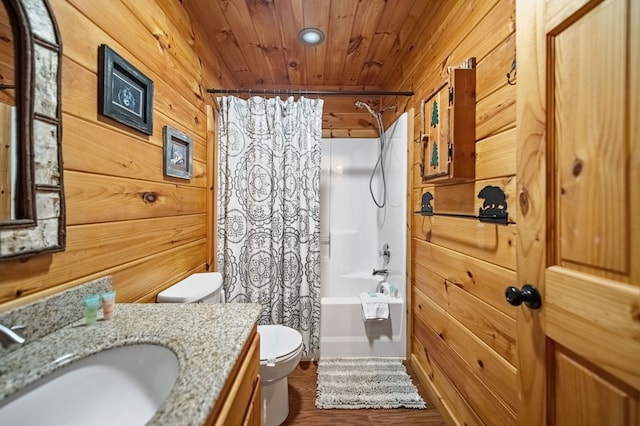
(493, 210)
(425, 205)
(495, 203)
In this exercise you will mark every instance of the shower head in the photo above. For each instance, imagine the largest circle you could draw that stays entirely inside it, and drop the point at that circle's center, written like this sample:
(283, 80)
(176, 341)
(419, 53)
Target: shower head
(361, 104)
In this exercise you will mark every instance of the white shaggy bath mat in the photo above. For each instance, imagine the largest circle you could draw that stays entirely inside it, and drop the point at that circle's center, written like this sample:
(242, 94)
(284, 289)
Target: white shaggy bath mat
(355, 383)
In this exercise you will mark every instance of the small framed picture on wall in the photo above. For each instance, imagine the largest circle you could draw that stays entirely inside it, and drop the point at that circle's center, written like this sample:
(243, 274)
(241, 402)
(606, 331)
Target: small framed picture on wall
(178, 153)
(124, 94)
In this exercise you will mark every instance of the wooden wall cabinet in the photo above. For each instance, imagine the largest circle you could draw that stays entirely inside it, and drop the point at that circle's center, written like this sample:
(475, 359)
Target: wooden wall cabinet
(239, 401)
(449, 129)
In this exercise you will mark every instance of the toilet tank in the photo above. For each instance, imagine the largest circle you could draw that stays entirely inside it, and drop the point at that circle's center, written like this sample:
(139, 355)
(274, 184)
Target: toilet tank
(204, 287)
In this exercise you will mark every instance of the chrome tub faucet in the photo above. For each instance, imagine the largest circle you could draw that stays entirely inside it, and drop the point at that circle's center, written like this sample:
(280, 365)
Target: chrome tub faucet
(383, 272)
(8, 335)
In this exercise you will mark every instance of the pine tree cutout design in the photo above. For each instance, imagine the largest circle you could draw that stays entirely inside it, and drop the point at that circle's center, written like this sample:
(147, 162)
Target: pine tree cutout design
(434, 155)
(434, 115)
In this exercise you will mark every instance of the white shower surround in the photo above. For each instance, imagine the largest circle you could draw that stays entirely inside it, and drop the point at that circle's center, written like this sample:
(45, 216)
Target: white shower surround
(353, 231)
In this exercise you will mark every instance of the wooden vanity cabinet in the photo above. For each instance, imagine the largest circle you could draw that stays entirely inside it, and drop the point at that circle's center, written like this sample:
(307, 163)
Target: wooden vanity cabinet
(239, 401)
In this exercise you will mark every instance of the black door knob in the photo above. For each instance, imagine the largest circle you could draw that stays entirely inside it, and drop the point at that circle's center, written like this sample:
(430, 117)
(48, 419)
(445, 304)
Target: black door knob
(529, 295)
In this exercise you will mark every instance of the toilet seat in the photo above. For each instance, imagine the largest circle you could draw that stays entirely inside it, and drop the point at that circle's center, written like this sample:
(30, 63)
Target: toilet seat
(278, 343)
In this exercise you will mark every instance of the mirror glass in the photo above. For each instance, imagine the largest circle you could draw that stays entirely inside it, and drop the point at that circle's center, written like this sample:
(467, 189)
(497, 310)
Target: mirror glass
(32, 214)
(9, 156)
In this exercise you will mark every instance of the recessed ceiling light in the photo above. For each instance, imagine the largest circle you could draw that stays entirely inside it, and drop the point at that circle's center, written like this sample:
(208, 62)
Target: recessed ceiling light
(311, 36)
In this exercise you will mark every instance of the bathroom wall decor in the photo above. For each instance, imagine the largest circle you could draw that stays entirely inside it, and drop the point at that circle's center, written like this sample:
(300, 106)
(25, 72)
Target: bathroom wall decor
(125, 94)
(38, 225)
(448, 128)
(178, 153)
(493, 209)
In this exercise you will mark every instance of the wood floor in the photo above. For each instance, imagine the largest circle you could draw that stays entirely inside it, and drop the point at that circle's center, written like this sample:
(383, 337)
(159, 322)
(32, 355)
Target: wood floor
(302, 409)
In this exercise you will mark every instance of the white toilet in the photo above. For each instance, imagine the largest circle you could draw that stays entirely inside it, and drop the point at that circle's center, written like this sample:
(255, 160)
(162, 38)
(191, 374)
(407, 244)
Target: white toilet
(280, 350)
(280, 346)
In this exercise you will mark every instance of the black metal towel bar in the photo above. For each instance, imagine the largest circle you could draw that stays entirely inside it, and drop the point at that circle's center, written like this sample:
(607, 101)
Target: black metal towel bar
(499, 219)
(493, 210)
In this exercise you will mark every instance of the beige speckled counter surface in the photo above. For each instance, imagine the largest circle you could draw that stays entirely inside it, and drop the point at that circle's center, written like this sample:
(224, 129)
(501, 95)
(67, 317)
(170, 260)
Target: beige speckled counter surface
(207, 339)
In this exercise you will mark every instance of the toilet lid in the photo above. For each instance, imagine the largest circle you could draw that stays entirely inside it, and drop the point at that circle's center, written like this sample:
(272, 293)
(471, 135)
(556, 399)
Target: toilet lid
(277, 341)
(192, 289)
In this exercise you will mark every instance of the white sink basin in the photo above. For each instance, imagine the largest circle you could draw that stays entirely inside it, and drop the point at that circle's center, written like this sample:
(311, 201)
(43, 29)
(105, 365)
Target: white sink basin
(120, 386)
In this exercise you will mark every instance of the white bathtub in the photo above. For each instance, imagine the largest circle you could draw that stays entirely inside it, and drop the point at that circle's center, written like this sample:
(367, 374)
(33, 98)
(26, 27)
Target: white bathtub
(343, 331)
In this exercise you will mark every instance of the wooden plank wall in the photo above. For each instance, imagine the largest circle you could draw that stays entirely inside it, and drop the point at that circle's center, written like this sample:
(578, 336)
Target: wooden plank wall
(463, 332)
(124, 218)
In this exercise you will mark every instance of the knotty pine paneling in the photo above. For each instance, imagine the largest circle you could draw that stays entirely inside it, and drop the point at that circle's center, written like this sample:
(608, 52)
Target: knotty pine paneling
(495, 157)
(481, 279)
(94, 198)
(480, 398)
(215, 72)
(409, 63)
(124, 217)
(243, 36)
(349, 133)
(441, 390)
(342, 119)
(366, 20)
(497, 374)
(147, 50)
(80, 100)
(492, 70)
(442, 44)
(489, 242)
(261, 15)
(290, 16)
(225, 40)
(124, 156)
(341, 17)
(97, 247)
(332, 120)
(316, 15)
(176, 41)
(258, 41)
(386, 39)
(496, 113)
(495, 329)
(141, 280)
(460, 267)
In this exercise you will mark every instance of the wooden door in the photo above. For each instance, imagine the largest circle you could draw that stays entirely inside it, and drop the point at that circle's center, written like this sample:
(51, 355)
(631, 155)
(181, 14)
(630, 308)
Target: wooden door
(578, 118)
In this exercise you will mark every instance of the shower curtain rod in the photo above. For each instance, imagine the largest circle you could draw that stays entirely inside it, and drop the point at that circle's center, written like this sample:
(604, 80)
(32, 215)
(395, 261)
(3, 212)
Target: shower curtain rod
(301, 92)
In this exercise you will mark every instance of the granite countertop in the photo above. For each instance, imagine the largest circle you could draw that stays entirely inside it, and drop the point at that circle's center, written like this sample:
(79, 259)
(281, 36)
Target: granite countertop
(207, 339)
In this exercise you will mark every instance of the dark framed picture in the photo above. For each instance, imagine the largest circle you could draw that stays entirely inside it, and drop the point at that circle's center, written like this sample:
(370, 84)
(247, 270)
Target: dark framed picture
(178, 153)
(125, 94)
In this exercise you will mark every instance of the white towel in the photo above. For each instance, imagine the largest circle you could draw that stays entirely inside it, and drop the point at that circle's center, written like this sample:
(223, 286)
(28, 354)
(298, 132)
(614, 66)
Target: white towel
(374, 306)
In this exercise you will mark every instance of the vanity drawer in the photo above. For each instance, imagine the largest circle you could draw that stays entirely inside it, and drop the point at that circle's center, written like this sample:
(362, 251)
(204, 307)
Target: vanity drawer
(236, 404)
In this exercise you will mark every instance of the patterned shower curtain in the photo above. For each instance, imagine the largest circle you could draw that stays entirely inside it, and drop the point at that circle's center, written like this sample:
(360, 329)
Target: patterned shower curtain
(269, 209)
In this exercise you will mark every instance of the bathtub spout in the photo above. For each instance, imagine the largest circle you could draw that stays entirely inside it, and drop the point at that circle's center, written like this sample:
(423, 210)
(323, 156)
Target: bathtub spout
(382, 272)
(382, 288)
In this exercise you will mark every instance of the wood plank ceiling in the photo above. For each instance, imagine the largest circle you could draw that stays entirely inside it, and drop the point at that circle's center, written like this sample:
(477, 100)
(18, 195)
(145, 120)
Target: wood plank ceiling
(257, 40)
